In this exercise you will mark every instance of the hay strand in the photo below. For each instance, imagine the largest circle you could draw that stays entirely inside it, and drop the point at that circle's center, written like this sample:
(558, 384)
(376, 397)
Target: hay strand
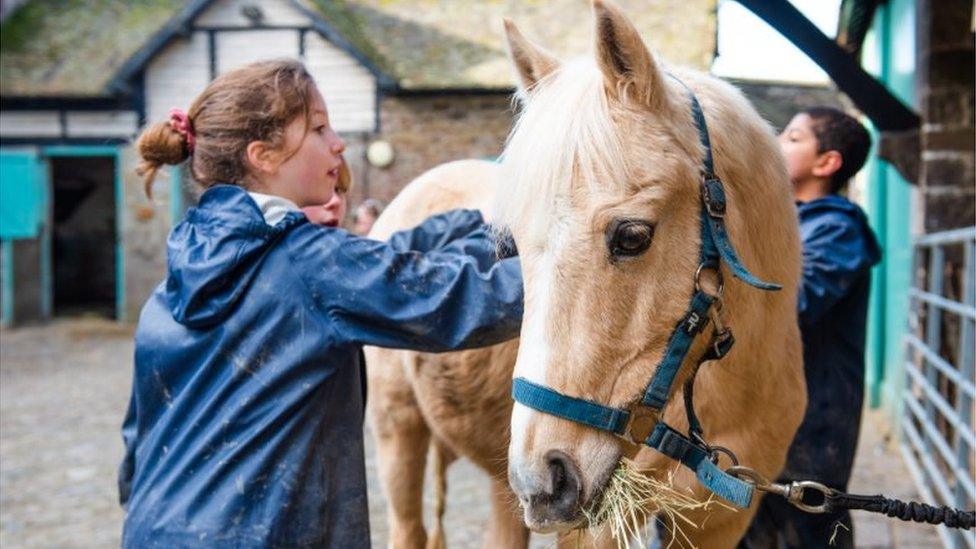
(633, 495)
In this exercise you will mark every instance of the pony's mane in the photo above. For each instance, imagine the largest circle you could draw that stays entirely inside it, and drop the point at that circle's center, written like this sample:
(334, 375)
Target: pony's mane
(563, 136)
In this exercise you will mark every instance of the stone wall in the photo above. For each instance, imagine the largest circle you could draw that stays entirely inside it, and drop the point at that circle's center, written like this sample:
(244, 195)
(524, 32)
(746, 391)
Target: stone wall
(430, 130)
(946, 96)
(145, 225)
(778, 102)
(28, 300)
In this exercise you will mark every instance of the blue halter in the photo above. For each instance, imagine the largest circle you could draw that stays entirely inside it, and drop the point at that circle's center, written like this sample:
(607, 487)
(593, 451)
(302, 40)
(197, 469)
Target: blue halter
(640, 423)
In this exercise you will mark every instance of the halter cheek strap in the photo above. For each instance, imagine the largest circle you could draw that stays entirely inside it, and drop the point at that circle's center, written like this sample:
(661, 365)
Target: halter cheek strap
(640, 423)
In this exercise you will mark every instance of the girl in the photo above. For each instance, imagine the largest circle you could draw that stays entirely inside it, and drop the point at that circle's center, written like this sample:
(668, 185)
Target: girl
(245, 425)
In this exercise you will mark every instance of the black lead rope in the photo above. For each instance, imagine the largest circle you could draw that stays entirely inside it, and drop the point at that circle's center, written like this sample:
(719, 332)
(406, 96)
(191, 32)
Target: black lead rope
(907, 511)
(834, 500)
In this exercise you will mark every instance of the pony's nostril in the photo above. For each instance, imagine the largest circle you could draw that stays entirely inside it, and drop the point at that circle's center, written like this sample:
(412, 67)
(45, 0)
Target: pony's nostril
(564, 493)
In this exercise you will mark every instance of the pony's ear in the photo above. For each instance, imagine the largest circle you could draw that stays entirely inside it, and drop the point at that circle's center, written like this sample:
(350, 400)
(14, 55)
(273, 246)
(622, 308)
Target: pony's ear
(627, 65)
(532, 62)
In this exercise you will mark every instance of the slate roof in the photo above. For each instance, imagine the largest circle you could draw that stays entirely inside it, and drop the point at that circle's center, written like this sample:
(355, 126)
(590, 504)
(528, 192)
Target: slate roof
(80, 47)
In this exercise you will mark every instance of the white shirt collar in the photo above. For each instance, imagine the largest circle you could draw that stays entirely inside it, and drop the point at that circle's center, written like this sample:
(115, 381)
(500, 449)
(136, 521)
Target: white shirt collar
(273, 207)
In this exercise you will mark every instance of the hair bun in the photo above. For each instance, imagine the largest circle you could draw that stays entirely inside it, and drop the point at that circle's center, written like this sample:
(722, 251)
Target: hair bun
(160, 144)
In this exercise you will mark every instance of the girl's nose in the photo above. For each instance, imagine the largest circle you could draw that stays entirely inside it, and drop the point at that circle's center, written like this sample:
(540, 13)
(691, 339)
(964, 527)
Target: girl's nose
(339, 146)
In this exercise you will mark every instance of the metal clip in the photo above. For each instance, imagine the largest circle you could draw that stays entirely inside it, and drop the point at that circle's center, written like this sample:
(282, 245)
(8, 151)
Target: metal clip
(793, 492)
(798, 489)
(715, 450)
(720, 282)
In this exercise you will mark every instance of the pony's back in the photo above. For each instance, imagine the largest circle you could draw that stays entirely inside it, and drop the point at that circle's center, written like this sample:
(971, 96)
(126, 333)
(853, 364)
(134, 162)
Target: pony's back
(460, 184)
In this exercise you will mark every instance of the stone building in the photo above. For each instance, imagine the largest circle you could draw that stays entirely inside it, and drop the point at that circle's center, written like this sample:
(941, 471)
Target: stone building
(432, 79)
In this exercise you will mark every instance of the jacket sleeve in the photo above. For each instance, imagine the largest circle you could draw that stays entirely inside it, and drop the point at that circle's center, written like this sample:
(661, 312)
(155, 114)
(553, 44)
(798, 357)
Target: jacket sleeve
(127, 467)
(437, 230)
(434, 301)
(834, 258)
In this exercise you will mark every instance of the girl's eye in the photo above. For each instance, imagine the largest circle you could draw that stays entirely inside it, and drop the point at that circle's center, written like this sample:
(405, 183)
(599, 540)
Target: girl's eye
(628, 238)
(320, 129)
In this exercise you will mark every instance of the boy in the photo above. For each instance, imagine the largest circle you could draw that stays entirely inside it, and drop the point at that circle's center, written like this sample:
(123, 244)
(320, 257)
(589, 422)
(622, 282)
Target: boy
(824, 148)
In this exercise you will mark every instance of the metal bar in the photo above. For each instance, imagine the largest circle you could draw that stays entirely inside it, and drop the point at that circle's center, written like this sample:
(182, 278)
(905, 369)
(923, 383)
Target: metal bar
(964, 384)
(943, 303)
(931, 470)
(933, 435)
(933, 327)
(967, 369)
(946, 237)
(915, 469)
(121, 313)
(944, 407)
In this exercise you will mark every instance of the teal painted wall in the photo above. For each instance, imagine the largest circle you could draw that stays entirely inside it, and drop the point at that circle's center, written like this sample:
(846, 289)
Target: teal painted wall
(889, 54)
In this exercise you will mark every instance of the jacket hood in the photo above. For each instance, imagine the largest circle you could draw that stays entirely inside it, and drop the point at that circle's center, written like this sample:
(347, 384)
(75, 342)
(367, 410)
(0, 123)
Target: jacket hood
(213, 254)
(834, 204)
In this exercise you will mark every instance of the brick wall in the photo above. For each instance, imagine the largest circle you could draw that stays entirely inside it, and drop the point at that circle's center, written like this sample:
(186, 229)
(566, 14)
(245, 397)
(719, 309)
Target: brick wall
(431, 130)
(427, 131)
(945, 88)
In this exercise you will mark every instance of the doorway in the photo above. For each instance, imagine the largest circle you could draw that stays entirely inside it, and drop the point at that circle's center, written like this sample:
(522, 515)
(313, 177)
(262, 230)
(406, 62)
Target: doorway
(83, 236)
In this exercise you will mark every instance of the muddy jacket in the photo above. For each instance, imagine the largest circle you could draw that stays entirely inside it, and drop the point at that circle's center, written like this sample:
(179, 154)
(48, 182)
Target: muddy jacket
(245, 427)
(839, 250)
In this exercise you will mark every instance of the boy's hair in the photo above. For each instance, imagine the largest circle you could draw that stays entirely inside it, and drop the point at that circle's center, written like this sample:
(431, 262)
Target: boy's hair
(372, 206)
(253, 103)
(838, 131)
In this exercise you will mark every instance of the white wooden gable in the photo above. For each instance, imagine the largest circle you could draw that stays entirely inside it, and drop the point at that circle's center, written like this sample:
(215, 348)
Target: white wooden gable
(222, 38)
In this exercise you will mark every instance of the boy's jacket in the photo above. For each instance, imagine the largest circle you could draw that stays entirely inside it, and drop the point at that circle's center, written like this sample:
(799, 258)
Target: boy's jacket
(245, 427)
(839, 250)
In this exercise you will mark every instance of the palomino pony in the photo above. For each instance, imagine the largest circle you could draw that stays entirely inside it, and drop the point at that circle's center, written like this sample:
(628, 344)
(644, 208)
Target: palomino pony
(601, 188)
(454, 403)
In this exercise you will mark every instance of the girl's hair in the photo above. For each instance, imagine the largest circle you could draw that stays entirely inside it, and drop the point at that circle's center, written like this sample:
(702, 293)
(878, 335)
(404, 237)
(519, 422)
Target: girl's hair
(253, 103)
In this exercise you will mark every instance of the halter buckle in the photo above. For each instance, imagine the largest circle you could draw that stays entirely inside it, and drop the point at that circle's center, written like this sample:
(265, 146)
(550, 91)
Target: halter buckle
(713, 197)
(640, 424)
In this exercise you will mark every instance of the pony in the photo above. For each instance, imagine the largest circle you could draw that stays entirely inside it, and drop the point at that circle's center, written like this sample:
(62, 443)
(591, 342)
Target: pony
(443, 405)
(600, 140)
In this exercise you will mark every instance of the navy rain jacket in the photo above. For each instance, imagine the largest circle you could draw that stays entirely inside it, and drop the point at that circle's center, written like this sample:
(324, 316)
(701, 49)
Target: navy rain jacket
(839, 250)
(245, 427)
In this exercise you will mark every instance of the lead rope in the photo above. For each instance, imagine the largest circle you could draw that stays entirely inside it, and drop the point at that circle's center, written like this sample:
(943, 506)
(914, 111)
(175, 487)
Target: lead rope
(796, 493)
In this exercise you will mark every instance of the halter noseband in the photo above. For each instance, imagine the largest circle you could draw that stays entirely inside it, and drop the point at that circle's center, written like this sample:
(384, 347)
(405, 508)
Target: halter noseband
(640, 422)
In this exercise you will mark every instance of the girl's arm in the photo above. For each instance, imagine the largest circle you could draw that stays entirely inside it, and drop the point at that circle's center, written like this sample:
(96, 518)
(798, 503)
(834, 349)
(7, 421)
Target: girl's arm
(434, 301)
(437, 230)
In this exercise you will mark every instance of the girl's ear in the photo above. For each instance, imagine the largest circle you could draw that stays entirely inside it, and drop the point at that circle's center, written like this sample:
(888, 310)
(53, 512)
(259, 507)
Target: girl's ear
(261, 157)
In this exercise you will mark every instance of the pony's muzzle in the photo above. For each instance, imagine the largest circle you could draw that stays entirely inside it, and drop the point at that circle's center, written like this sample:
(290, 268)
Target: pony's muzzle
(551, 500)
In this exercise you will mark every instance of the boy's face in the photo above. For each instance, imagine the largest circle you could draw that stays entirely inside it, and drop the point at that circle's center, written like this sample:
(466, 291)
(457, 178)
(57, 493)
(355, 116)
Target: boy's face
(329, 214)
(309, 175)
(799, 146)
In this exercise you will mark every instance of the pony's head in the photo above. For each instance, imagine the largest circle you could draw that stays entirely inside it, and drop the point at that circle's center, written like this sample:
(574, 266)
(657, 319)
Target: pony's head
(602, 197)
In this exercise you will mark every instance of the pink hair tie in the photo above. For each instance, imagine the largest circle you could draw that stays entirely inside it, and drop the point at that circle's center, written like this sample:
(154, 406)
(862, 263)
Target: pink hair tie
(180, 122)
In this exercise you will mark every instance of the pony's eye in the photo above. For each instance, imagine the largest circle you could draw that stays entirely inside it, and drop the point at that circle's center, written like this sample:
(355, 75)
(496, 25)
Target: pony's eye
(629, 237)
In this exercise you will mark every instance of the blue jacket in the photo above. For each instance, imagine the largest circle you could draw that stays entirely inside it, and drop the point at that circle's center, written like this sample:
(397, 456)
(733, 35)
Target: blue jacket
(245, 427)
(839, 250)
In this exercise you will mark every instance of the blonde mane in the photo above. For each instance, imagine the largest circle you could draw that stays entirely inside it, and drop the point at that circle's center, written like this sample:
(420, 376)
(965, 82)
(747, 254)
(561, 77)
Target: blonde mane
(581, 143)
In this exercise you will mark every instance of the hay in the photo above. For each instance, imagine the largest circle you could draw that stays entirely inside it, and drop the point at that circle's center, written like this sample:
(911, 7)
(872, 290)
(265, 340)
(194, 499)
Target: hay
(630, 498)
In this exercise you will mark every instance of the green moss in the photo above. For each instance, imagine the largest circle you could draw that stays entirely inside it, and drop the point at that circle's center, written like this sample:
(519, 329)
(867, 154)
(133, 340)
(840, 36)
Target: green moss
(351, 26)
(57, 47)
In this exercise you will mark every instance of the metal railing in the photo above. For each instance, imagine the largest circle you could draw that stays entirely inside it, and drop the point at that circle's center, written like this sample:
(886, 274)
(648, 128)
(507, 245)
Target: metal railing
(938, 440)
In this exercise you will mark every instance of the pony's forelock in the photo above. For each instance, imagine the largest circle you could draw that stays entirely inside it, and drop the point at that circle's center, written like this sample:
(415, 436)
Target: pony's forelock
(563, 136)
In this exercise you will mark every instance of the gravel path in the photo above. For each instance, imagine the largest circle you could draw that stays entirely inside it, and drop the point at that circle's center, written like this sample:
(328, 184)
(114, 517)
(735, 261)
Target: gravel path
(63, 393)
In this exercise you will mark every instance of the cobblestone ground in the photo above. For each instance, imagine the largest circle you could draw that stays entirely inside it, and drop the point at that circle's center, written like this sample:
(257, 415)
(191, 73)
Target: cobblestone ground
(63, 392)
